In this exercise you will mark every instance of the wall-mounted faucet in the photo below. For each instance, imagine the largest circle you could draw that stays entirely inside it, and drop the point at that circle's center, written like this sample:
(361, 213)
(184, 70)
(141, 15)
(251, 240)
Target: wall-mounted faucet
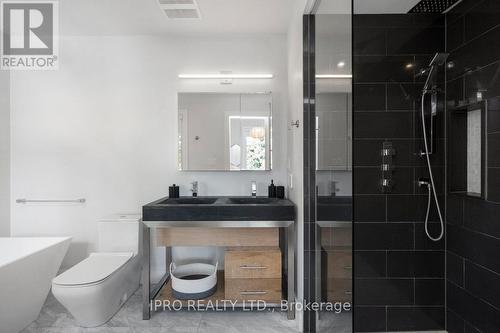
(194, 188)
(254, 188)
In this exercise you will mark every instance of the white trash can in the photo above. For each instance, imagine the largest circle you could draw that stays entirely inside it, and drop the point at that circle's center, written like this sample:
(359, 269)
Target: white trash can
(193, 281)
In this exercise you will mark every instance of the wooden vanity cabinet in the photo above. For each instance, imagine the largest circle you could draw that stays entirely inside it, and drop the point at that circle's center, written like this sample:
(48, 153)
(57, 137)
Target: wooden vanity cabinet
(252, 260)
(253, 274)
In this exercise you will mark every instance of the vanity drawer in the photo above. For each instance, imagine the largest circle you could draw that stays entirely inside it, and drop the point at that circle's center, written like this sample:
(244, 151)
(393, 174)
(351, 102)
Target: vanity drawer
(253, 264)
(268, 290)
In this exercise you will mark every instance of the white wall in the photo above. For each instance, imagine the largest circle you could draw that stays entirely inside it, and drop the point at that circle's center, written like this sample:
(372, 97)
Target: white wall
(4, 153)
(104, 127)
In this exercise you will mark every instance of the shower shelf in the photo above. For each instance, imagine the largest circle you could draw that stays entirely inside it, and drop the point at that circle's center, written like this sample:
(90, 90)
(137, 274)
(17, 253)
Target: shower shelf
(467, 147)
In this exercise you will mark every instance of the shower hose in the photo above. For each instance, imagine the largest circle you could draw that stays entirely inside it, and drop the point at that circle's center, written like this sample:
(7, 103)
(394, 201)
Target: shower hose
(431, 188)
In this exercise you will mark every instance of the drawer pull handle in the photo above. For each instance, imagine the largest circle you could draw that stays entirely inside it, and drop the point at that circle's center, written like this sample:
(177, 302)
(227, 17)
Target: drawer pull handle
(347, 267)
(253, 292)
(252, 267)
(348, 292)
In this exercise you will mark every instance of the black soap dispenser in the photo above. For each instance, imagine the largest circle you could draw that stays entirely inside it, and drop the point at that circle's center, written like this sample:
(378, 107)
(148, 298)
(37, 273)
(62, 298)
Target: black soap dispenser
(173, 191)
(271, 190)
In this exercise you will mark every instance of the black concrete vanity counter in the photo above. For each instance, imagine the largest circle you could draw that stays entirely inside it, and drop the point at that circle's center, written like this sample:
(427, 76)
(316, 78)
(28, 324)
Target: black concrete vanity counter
(334, 208)
(219, 209)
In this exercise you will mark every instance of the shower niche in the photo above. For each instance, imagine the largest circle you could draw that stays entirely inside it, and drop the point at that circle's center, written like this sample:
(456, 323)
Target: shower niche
(467, 150)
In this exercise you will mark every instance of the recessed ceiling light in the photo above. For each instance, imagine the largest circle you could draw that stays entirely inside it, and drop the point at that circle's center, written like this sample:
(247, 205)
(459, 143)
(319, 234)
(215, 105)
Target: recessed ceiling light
(341, 64)
(409, 66)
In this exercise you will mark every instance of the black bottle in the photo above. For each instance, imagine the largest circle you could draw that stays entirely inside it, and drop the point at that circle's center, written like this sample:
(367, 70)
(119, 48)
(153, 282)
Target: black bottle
(271, 190)
(173, 191)
(280, 192)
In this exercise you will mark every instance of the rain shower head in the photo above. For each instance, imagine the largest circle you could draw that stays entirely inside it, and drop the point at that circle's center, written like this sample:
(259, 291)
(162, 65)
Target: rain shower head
(434, 6)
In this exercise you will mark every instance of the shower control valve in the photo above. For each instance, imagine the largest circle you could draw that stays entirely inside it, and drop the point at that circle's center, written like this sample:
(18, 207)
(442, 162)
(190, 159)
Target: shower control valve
(388, 151)
(387, 167)
(386, 182)
(424, 182)
(423, 153)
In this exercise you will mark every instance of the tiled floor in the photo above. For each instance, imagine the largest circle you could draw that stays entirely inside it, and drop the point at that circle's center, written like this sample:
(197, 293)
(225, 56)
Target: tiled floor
(55, 319)
(331, 322)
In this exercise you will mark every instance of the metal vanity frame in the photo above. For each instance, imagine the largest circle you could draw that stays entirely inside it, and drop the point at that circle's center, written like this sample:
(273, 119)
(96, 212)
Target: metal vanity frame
(149, 293)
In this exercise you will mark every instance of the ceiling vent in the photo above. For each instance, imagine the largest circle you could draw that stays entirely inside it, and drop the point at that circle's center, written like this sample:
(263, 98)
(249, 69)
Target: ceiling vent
(180, 9)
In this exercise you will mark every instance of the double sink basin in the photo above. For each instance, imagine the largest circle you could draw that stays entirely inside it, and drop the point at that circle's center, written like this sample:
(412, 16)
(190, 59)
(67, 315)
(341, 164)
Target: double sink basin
(219, 208)
(211, 201)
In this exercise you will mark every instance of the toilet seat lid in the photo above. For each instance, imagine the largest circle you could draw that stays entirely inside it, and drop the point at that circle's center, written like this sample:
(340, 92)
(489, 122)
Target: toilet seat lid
(97, 267)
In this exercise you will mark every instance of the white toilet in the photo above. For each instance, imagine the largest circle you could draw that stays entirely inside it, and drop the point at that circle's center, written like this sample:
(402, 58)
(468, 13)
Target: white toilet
(95, 289)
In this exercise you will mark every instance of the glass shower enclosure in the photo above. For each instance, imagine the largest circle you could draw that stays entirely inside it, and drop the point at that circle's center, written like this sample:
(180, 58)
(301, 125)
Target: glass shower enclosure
(328, 159)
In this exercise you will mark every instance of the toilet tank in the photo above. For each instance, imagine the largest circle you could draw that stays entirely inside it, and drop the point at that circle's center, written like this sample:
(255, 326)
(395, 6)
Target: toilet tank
(120, 233)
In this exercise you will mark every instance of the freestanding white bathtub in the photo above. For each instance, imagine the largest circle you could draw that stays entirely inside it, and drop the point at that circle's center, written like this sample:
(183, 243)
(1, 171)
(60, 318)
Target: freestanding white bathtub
(27, 267)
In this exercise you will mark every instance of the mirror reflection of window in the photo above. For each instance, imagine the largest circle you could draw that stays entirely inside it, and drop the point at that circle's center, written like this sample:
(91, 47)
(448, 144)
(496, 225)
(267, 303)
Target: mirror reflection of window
(249, 134)
(225, 131)
(256, 149)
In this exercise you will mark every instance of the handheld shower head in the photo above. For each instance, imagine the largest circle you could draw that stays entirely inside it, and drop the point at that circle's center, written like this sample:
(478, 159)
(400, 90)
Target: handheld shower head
(439, 59)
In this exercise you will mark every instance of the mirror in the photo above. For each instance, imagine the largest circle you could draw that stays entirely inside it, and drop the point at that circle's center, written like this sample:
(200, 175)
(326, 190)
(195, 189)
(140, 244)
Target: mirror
(466, 148)
(225, 131)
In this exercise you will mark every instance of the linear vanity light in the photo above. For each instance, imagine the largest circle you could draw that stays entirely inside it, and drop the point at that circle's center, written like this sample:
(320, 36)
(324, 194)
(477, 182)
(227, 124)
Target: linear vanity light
(334, 76)
(225, 76)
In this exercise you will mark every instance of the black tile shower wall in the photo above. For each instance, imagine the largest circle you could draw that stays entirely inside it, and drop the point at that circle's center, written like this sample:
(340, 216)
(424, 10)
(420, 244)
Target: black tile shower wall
(473, 243)
(473, 268)
(399, 274)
